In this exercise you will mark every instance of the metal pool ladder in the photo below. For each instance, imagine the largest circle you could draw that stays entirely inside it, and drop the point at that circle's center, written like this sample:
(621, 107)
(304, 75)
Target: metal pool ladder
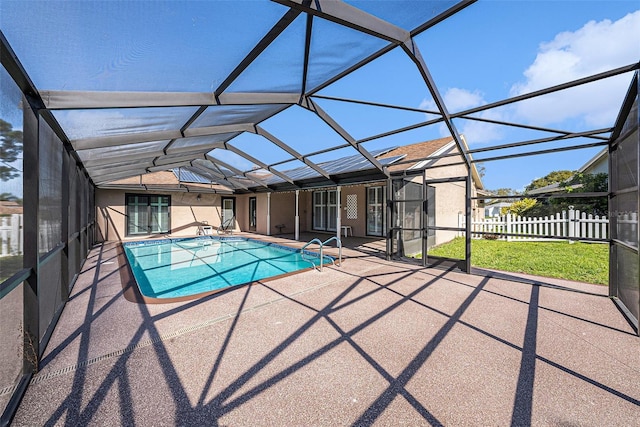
(322, 244)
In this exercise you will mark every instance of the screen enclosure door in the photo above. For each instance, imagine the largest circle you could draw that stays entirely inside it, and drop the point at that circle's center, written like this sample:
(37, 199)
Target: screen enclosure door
(407, 206)
(425, 213)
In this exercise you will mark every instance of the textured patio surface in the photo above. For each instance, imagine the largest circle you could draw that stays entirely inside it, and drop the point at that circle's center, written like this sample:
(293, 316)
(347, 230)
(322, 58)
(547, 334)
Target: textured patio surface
(371, 342)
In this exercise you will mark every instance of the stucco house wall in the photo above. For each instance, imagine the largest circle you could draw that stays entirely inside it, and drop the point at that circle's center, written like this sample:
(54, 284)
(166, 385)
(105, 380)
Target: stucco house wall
(186, 213)
(359, 224)
(283, 211)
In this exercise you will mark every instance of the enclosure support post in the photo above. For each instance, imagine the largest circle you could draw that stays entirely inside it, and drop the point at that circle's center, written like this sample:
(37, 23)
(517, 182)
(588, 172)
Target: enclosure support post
(424, 233)
(390, 219)
(297, 219)
(338, 213)
(467, 228)
(268, 214)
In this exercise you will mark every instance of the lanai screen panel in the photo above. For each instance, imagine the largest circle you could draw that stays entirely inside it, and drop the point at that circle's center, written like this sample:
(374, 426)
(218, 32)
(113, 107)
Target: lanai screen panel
(149, 71)
(218, 115)
(624, 202)
(98, 156)
(186, 57)
(81, 124)
(176, 46)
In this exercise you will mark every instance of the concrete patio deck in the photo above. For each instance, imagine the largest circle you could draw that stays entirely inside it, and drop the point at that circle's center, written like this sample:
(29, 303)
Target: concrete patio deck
(371, 342)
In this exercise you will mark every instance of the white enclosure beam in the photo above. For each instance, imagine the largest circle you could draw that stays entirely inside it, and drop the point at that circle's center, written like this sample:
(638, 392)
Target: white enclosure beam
(124, 139)
(84, 100)
(217, 130)
(349, 16)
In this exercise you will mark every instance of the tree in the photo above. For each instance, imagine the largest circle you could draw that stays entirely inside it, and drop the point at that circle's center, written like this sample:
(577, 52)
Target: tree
(519, 207)
(587, 183)
(506, 192)
(9, 197)
(577, 183)
(10, 150)
(550, 178)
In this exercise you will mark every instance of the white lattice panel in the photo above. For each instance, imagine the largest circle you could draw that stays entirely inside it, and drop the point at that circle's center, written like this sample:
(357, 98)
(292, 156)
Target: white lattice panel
(352, 206)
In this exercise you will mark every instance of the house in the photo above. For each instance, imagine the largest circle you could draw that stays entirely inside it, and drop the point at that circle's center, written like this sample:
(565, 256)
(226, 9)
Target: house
(597, 164)
(10, 207)
(494, 208)
(179, 202)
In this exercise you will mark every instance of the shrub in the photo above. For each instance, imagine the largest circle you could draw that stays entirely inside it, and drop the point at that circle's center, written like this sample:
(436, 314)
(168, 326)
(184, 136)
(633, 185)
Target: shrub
(519, 207)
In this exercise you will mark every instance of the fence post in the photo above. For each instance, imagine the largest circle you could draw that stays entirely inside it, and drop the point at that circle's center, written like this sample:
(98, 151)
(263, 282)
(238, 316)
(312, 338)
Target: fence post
(508, 220)
(4, 236)
(15, 247)
(572, 223)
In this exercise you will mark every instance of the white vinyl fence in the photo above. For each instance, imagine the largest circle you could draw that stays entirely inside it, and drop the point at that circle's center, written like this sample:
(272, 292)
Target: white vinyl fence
(566, 224)
(11, 240)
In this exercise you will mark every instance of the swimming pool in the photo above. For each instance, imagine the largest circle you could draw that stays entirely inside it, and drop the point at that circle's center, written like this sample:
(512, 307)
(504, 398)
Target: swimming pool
(188, 267)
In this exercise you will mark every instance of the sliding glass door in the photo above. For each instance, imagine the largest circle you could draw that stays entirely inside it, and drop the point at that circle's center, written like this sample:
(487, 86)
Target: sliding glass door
(325, 210)
(253, 217)
(376, 218)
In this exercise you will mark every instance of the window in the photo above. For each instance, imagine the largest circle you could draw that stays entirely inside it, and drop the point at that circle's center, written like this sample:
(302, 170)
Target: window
(147, 214)
(325, 210)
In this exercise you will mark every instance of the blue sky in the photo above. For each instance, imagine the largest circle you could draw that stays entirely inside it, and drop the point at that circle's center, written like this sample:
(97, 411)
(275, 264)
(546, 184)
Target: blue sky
(498, 49)
(490, 51)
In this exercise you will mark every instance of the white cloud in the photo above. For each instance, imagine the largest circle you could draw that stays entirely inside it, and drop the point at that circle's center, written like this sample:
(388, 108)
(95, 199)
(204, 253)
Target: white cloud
(428, 104)
(457, 99)
(475, 132)
(594, 48)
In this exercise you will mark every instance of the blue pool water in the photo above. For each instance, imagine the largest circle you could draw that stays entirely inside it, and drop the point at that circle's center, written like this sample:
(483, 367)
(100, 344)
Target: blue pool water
(185, 267)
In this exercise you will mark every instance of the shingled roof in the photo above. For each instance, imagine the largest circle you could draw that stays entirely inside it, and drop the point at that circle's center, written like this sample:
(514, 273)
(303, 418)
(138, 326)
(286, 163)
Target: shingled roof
(416, 152)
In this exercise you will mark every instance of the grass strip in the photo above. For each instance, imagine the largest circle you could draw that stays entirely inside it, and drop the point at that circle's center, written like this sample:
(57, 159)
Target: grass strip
(582, 262)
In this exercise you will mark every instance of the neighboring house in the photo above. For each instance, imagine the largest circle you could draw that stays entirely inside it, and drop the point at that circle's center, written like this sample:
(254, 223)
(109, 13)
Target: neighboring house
(178, 202)
(597, 164)
(9, 207)
(493, 209)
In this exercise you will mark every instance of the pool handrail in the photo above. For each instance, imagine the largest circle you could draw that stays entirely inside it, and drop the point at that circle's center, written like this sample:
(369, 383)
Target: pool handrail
(322, 244)
(339, 242)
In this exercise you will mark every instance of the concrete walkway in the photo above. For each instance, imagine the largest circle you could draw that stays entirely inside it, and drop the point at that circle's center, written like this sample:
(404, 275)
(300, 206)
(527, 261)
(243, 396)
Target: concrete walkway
(371, 342)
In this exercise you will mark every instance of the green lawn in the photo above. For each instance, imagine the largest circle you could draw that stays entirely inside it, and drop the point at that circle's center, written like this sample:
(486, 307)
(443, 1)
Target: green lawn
(582, 262)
